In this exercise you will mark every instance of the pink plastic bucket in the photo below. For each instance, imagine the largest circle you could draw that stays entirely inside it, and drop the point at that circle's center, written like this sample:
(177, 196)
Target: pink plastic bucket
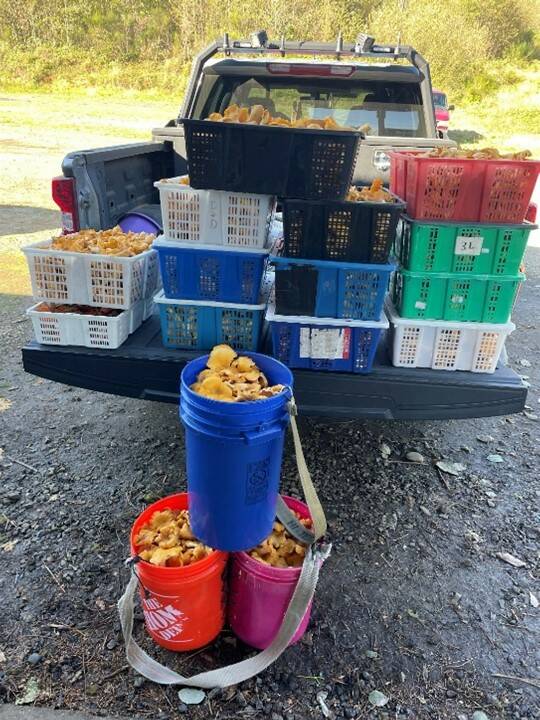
(259, 595)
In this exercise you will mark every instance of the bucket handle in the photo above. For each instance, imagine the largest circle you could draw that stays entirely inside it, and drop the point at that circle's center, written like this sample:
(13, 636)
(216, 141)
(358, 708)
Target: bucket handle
(283, 512)
(237, 672)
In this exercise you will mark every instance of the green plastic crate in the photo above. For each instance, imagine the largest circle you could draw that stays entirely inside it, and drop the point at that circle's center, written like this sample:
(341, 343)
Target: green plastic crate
(449, 296)
(472, 248)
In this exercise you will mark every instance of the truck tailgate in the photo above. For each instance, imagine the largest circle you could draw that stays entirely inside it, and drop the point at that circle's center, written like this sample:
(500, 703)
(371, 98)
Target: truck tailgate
(143, 368)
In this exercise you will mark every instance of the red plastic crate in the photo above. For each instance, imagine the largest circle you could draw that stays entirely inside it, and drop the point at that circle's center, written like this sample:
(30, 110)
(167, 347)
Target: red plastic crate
(487, 191)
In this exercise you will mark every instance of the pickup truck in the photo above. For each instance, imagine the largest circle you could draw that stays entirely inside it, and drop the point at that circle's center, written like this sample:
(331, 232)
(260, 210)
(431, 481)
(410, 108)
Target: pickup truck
(442, 112)
(385, 89)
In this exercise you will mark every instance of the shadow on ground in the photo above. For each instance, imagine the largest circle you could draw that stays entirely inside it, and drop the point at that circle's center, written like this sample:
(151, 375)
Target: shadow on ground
(26, 219)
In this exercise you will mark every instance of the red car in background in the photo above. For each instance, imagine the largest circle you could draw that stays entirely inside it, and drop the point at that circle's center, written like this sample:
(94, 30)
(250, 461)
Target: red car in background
(442, 112)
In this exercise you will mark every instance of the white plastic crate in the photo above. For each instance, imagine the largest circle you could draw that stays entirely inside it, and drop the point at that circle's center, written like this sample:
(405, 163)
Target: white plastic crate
(443, 345)
(52, 328)
(214, 217)
(65, 277)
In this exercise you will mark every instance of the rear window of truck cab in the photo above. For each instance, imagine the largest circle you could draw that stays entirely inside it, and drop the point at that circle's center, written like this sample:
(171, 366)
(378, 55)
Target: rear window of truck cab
(380, 107)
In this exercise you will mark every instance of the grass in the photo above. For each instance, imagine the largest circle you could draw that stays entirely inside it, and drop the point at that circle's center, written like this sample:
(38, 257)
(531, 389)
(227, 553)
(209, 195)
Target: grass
(507, 118)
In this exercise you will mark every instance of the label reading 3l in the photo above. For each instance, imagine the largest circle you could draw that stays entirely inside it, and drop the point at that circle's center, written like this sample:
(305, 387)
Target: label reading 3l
(468, 245)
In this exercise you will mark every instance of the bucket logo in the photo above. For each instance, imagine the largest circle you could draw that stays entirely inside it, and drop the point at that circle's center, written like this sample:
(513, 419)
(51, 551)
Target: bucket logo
(257, 481)
(165, 620)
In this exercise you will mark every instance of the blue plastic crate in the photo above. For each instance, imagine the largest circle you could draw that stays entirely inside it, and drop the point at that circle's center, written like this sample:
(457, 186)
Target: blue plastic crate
(211, 273)
(333, 345)
(329, 289)
(193, 325)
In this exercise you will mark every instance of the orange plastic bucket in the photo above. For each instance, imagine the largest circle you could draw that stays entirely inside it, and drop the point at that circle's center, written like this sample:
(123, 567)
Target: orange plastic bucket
(184, 607)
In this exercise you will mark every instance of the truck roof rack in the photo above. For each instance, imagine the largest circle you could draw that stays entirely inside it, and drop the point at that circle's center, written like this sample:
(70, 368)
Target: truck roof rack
(258, 44)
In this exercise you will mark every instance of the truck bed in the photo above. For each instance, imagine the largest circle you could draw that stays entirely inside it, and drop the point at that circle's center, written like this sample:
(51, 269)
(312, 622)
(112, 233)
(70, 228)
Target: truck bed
(143, 368)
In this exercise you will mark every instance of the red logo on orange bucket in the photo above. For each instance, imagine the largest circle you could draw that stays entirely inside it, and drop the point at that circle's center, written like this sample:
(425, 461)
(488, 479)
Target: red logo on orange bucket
(164, 620)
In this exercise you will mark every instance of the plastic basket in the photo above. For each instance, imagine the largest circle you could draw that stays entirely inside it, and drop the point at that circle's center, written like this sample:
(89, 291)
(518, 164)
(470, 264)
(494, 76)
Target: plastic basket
(93, 331)
(447, 296)
(443, 345)
(199, 326)
(213, 273)
(329, 289)
(213, 217)
(72, 278)
(486, 191)
(480, 249)
(359, 232)
(326, 344)
(288, 162)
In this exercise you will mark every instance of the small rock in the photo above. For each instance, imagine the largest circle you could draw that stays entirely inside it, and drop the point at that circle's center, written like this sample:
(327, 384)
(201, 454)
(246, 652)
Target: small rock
(34, 658)
(495, 458)
(191, 696)
(277, 716)
(524, 363)
(377, 698)
(415, 457)
(533, 600)
(372, 654)
(138, 682)
(451, 468)
(13, 497)
(424, 510)
(386, 451)
(451, 694)
(182, 708)
(511, 559)
(485, 438)
(479, 715)
(112, 644)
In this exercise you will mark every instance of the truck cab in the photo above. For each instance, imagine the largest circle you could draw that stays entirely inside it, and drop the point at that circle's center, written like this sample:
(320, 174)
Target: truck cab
(383, 90)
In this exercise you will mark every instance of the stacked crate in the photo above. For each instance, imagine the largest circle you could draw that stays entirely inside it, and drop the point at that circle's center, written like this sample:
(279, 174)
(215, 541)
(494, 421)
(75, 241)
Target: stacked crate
(331, 281)
(212, 257)
(461, 247)
(241, 162)
(62, 278)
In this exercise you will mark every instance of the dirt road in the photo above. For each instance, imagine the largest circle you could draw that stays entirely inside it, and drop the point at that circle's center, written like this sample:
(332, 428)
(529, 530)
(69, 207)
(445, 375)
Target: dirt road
(413, 602)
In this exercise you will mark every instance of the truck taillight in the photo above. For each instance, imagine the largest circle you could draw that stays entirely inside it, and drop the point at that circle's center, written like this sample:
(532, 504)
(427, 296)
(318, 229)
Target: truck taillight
(63, 193)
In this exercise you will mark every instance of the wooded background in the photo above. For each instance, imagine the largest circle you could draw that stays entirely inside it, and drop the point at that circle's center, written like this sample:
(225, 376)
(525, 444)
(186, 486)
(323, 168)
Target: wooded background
(148, 45)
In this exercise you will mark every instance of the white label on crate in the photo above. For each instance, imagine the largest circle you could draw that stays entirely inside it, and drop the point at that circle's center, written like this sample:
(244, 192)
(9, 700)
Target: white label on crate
(468, 245)
(419, 305)
(457, 299)
(325, 344)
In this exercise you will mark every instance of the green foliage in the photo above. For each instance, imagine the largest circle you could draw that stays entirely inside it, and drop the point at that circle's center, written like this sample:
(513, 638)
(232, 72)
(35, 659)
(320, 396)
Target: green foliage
(148, 45)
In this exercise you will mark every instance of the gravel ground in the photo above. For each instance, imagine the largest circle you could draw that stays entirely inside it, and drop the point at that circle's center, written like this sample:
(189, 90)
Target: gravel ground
(413, 602)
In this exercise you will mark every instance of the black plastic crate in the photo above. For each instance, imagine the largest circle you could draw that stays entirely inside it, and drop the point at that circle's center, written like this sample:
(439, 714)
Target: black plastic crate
(360, 232)
(289, 162)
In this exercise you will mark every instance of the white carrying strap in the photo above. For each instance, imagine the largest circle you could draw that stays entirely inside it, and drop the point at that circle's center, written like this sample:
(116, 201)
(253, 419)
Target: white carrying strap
(283, 512)
(240, 671)
(297, 608)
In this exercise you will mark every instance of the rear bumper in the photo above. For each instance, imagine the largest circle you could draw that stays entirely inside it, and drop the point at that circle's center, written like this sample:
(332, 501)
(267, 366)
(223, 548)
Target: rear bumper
(142, 368)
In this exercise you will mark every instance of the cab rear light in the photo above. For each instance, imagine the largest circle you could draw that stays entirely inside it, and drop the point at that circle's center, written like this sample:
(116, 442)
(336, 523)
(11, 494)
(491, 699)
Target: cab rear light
(311, 69)
(63, 193)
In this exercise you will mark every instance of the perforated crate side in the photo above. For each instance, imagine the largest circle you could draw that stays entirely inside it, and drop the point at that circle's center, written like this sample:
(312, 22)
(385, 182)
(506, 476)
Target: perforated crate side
(488, 347)
(240, 328)
(507, 190)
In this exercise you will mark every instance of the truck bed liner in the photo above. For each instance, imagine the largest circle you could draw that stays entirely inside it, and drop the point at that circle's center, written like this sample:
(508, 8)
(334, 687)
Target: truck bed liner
(143, 368)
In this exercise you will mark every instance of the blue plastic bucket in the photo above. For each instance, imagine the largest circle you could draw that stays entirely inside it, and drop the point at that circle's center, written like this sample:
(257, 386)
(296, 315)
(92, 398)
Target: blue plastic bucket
(233, 459)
